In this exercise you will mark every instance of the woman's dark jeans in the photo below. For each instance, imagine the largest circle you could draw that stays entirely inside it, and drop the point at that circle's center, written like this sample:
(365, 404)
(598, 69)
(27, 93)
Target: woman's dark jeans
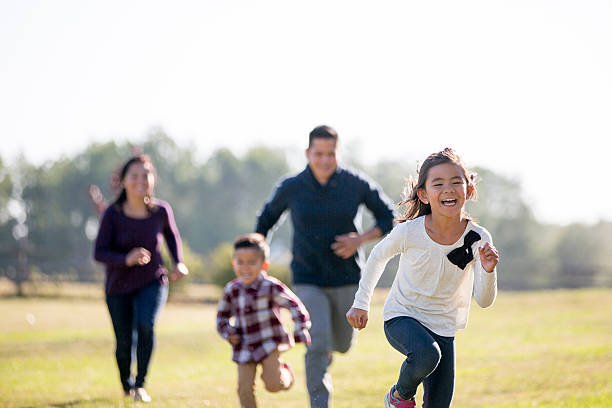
(135, 311)
(430, 359)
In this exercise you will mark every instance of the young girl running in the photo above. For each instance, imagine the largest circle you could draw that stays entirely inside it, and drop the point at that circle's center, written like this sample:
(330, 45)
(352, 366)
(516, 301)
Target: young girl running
(439, 268)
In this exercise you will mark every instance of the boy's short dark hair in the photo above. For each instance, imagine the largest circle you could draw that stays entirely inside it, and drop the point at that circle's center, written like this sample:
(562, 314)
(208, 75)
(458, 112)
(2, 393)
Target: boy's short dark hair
(254, 241)
(322, 132)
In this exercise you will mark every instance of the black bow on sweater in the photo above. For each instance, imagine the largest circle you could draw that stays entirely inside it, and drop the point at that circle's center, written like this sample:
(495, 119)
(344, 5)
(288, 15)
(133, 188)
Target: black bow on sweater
(463, 255)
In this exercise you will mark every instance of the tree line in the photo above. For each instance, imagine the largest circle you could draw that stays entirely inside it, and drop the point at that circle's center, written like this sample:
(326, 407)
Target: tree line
(48, 221)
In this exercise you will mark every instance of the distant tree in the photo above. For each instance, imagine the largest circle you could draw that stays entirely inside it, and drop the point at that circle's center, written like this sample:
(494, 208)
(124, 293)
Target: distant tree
(6, 221)
(502, 210)
(219, 261)
(15, 244)
(602, 231)
(48, 221)
(229, 193)
(583, 252)
(195, 263)
(51, 205)
(63, 223)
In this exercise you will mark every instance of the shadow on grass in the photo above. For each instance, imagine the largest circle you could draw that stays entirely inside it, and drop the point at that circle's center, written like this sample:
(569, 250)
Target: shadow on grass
(50, 296)
(175, 299)
(73, 403)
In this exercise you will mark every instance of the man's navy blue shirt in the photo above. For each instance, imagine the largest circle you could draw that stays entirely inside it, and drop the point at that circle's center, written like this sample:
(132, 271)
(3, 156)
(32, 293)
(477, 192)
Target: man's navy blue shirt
(319, 213)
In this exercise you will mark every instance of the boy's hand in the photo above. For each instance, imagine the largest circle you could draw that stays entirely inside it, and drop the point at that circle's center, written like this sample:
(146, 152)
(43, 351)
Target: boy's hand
(234, 339)
(302, 336)
(307, 340)
(358, 318)
(489, 257)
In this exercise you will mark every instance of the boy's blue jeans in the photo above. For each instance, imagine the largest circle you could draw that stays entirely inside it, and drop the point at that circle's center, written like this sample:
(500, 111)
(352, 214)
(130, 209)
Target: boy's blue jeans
(430, 359)
(135, 311)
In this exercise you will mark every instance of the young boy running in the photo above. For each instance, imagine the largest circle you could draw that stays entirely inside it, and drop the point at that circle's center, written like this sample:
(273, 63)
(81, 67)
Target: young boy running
(257, 335)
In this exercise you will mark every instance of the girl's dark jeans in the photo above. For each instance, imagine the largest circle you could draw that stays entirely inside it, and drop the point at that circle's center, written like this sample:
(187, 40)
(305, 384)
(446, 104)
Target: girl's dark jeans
(135, 311)
(430, 359)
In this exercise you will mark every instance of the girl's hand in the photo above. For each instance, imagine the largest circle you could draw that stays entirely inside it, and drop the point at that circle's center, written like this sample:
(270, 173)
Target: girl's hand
(489, 257)
(358, 318)
(138, 256)
(179, 272)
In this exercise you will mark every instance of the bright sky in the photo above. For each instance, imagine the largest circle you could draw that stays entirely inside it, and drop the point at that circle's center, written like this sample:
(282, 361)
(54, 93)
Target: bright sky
(521, 87)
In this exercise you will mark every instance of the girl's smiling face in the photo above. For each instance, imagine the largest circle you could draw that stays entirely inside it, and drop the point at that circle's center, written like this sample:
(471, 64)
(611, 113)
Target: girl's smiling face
(445, 189)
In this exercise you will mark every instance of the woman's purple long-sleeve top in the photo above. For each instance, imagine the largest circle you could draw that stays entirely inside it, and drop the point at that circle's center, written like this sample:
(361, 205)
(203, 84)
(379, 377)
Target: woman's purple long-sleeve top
(119, 234)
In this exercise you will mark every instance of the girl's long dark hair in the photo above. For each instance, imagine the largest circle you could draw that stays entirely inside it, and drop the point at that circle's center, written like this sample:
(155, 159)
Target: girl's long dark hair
(414, 206)
(146, 161)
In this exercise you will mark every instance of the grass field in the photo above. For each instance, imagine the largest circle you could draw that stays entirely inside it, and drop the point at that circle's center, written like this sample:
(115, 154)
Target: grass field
(536, 349)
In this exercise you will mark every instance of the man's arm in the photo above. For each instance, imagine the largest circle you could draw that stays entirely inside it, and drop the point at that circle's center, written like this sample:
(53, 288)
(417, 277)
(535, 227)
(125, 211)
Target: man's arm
(273, 209)
(381, 207)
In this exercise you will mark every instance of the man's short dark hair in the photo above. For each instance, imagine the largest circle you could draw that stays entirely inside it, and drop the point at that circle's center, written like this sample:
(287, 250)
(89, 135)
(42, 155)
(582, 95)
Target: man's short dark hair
(253, 241)
(322, 132)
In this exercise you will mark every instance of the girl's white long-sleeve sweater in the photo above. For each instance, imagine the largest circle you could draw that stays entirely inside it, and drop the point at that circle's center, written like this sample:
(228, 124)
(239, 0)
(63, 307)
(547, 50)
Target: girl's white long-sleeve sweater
(427, 286)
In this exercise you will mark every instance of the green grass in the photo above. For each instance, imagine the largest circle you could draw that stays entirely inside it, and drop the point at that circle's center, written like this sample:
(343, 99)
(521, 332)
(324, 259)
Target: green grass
(536, 349)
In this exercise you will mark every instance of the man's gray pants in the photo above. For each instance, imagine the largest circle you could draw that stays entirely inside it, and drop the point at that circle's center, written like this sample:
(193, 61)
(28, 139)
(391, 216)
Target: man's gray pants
(330, 332)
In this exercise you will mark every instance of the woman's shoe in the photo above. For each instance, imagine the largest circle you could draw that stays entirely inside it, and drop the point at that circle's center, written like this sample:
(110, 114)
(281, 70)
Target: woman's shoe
(140, 394)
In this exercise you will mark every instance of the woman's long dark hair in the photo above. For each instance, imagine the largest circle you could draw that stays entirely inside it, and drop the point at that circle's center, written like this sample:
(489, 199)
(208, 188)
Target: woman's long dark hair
(414, 206)
(144, 160)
